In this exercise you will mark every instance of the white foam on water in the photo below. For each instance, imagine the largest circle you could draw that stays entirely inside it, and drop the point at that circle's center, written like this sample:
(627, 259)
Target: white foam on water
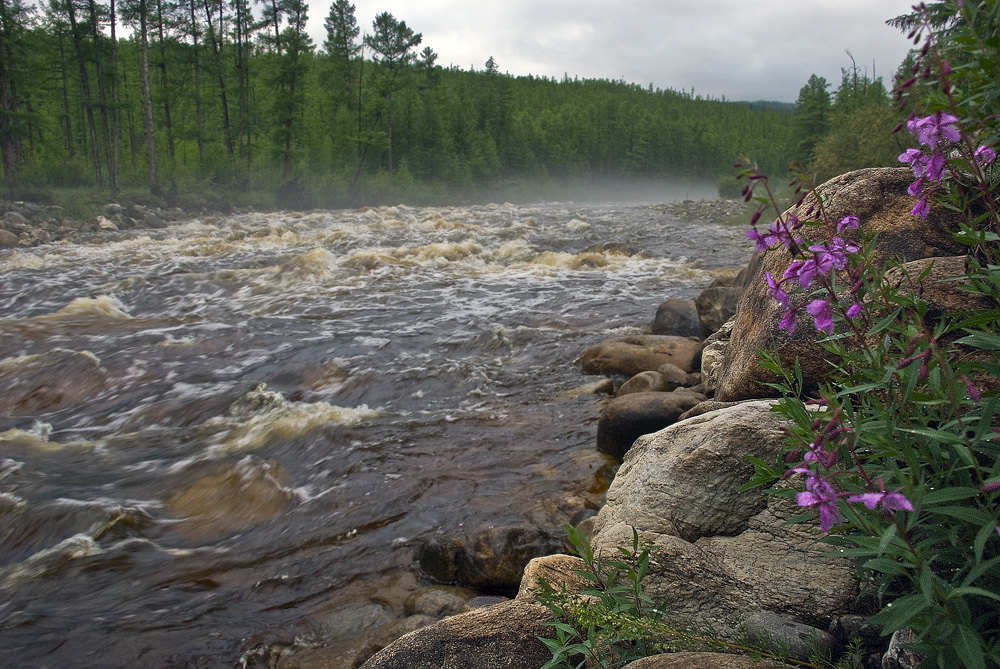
(262, 416)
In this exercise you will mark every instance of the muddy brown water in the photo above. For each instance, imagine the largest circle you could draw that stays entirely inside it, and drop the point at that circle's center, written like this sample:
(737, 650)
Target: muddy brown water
(214, 435)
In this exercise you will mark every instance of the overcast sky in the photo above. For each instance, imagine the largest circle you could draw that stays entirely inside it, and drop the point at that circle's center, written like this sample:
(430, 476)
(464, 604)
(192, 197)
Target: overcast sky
(740, 49)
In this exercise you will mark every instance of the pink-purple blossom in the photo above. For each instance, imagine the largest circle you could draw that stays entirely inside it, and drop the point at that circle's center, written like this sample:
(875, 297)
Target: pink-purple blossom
(848, 222)
(822, 314)
(780, 296)
(788, 322)
(984, 155)
(888, 501)
(930, 130)
(820, 494)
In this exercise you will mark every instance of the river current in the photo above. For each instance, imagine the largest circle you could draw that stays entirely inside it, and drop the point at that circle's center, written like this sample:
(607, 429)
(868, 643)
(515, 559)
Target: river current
(218, 434)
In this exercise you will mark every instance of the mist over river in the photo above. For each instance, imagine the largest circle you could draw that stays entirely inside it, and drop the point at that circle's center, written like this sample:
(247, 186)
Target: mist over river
(217, 434)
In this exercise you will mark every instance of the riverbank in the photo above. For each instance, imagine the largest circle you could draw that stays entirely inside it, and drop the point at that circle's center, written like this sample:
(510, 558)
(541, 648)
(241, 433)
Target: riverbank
(25, 224)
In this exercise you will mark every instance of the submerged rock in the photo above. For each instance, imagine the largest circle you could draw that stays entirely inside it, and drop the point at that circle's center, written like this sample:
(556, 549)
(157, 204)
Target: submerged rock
(491, 561)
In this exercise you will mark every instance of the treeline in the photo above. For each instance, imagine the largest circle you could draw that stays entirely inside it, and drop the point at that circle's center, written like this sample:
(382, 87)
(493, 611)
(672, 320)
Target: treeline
(205, 96)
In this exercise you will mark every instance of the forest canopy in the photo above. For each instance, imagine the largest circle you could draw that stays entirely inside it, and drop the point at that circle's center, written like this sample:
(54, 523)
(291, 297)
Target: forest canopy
(180, 97)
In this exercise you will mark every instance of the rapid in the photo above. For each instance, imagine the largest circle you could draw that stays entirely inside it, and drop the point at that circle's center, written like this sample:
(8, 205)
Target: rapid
(216, 434)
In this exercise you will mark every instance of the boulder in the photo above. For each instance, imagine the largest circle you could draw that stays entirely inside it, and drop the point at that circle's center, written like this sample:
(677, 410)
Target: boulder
(626, 418)
(778, 634)
(433, 601)
(675, 377)
(491, 561)
(645, 382)
(713, 355)
(702, 660)
(8, 239)
(898, 656)
(386, 634)
(879, 198)
(676, 317)
(721, 554)
(716, 306)
(628, 356)
(933, 281)
(503, 636)
(559, 571)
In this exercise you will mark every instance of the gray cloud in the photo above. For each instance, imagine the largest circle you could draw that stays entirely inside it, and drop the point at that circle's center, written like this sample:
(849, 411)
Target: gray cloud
(737, 49)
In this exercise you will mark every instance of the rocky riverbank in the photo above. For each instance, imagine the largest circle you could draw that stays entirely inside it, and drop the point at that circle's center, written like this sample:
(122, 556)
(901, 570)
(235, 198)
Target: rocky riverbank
(724, 559)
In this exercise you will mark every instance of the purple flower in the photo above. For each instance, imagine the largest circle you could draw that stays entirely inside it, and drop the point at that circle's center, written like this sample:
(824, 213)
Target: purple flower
(984, 155)
(780, 296)
(848, 222)
(820, 494)
(930, 130)
(819, 454)
(922, 208)
(822, 314)
(760, 243)
(935, 166)
(805, 270)
(788, 322)
(854, 311)
(991, 487)
(911, 156)
(889, 501)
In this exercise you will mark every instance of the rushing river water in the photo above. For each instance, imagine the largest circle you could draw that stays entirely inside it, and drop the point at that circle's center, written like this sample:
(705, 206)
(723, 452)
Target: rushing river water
(215, 434)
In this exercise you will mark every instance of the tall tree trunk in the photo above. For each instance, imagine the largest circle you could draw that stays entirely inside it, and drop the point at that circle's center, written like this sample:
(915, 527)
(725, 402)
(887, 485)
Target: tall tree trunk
(102, 101)
(147, 101)
(67, 121)
(198, 115)
(217, 52)
(164, 85)
(114, 165)
(85, 89)
(8, 104)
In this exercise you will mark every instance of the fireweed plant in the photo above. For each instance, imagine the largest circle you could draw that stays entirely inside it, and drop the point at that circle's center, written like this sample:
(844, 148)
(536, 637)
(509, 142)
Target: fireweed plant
(899, 448)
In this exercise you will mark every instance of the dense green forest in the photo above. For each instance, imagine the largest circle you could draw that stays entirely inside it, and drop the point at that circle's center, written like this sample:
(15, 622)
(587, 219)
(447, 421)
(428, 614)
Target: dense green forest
(207, 97)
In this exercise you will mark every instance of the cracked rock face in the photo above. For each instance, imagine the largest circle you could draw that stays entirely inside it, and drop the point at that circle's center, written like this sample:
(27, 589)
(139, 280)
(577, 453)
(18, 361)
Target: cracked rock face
(722, 553)
(879, 198)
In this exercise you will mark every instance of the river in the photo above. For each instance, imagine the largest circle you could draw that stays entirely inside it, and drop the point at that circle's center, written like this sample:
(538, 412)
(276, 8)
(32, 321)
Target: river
(216, 434)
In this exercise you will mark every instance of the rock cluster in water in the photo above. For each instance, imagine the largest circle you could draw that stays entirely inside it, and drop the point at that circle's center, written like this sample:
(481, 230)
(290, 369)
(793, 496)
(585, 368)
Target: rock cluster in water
(30, 223)
(688, 408)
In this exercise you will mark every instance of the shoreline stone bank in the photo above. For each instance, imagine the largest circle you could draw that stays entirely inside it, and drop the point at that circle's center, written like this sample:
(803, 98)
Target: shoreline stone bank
(725, 559)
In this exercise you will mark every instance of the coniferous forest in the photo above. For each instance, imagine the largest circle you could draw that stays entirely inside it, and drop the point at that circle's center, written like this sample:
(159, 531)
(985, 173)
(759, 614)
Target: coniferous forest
(177, 98)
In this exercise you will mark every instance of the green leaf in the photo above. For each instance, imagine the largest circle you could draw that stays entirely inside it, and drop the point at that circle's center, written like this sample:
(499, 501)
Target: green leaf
(978, 339)
(969, 648)
(947, 495)
(969, 515)
(969, 590)
(896, 614)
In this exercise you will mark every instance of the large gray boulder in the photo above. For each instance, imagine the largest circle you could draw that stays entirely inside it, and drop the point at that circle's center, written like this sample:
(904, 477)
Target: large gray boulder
(722, 554)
